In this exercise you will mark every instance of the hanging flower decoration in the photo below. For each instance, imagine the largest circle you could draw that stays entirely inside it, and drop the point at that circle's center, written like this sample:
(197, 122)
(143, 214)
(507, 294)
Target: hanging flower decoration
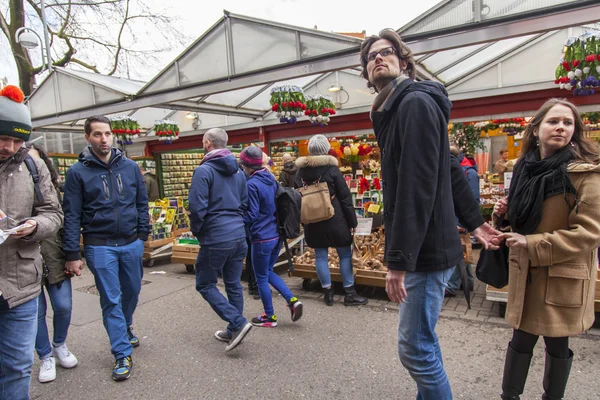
(579, 68)
(125, 129)
(467, 138)
(166, 130)
(319, 109)
(288, 102)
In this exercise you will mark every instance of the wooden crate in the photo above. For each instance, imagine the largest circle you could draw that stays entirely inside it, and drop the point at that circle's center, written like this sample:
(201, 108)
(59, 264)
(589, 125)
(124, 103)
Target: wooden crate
(370, 278)
(307, 271)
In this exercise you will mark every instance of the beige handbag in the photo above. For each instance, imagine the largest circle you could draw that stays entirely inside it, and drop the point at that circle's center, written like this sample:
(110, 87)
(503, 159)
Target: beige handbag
(316, 203)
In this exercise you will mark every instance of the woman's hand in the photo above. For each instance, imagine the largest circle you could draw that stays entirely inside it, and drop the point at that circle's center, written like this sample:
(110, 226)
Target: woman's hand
(501, 207)
(514, 239)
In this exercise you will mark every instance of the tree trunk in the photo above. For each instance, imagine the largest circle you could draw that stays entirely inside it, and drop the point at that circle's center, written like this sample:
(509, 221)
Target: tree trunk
(26, 77)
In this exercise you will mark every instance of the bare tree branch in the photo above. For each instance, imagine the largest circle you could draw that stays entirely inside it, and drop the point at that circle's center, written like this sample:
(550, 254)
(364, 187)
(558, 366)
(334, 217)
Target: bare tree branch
(114, 69)
(83, 64)
(84, 4)
(4, 25)
(66, 22)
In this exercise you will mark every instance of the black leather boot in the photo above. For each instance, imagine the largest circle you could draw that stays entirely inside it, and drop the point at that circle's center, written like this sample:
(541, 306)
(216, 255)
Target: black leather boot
(516, 368)
(328, 296)
(556, 375)
(353, 299)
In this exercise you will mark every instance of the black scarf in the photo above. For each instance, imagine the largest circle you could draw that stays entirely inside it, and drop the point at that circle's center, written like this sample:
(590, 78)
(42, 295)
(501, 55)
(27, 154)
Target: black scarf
(534, 180)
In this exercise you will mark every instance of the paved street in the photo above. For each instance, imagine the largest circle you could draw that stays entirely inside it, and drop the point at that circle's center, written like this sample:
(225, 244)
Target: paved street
(331, 353)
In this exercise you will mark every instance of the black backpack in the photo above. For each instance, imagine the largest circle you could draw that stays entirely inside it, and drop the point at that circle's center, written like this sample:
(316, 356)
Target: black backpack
(36, 178)
(288, 204)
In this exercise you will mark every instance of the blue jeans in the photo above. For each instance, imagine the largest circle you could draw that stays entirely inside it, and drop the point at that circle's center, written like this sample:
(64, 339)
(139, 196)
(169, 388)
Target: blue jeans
(322, 263)
(62, 303)
(456, 279)
(17, 337)
(418, 345)
(264, 256)
(118, 274)
(225, 259)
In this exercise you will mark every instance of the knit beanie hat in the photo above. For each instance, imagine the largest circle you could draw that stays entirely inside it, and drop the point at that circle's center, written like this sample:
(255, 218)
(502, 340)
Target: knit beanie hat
(15, 119)
(252, 157)
(318, 145)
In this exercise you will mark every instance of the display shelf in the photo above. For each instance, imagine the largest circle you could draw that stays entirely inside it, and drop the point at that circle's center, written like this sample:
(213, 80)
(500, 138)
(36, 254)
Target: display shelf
(147, 163)
(62, 162)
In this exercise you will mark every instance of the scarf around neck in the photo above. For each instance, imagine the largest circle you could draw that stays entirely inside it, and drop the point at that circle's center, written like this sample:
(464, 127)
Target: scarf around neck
(534, 180)
(218, 153)
(386, 93)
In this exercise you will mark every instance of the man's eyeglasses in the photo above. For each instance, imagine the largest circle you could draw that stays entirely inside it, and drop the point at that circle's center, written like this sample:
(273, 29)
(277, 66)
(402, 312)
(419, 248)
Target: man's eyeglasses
(384, 53)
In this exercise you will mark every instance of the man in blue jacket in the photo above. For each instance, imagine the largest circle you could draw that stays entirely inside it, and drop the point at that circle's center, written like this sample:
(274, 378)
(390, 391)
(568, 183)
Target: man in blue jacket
(106, 201)
(218, 198)
(470, 168)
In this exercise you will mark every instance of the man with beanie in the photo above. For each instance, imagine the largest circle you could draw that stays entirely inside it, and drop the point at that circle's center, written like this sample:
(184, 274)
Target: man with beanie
(218, 198)
(261, 223)
(410, 120)
(106, 201)
(34, 210)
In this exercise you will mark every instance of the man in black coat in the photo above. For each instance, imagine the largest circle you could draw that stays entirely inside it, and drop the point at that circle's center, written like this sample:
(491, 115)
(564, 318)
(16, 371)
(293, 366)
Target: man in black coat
(420, 181)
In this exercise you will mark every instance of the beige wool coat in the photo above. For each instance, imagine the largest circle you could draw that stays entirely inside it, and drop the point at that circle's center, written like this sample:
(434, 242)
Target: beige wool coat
(551, 282)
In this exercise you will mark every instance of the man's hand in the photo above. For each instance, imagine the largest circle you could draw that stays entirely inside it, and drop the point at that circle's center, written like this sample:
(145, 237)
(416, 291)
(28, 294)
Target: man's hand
(484, 235)
(514, 239)
(461, 229)
(394, 286)
(74, 267)
(2, 215)
(27, 231)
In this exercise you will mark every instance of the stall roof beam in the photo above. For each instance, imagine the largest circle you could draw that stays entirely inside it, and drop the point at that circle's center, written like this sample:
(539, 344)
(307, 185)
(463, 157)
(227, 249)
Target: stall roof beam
(211, 109)
(476, 33)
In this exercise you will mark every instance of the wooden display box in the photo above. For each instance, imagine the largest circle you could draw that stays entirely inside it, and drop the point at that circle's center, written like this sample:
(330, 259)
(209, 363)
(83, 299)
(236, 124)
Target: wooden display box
(184, 253)
(307, 271)
(597, 295)
(370, 278)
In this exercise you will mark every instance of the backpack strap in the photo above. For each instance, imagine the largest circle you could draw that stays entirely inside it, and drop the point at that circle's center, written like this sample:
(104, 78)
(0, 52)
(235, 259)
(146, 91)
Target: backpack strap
(35, 176)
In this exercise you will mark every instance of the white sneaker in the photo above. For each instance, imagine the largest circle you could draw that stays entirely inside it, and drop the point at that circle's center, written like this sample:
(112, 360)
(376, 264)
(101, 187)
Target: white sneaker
(65, 358)
(47, 370)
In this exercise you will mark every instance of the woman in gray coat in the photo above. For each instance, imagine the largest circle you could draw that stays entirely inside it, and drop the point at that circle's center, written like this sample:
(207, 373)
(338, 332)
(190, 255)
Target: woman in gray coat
(58, 286)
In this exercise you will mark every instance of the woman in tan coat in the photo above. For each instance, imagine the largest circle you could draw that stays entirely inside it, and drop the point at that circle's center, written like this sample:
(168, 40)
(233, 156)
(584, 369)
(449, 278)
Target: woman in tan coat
(554, 213)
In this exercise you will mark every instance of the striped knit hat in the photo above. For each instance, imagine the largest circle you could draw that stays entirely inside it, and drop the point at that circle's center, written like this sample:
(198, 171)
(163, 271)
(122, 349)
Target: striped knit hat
(252, 157)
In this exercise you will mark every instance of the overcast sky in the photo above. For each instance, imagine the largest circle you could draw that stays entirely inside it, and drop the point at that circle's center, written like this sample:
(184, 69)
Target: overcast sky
(196, 17)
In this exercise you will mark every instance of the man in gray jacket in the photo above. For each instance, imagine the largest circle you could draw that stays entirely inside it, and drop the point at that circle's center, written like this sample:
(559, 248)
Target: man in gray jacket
(29, 213)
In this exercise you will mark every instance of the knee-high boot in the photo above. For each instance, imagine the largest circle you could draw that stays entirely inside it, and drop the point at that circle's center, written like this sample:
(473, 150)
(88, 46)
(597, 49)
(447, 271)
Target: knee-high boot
(516, 368)
(556, 375)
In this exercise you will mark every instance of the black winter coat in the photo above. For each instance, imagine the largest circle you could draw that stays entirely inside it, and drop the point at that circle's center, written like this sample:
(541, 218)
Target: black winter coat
(419, 212)
(334, 232)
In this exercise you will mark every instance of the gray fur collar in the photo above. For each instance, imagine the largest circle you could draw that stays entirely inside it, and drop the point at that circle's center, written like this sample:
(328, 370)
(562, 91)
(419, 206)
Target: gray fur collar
(316, 161)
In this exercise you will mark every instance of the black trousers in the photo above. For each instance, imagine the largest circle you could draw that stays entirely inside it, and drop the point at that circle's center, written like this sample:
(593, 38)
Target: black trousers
(524, 342)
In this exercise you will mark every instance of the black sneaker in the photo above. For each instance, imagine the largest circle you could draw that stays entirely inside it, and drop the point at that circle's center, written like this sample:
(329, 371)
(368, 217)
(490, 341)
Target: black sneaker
(223, 336)
(122, 369)
(135, 342)
(296, 308)
(238, 336)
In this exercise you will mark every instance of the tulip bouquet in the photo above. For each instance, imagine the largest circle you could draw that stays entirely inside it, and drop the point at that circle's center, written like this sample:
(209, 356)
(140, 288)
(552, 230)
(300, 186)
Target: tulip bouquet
(319, 109)
(166, 130)
(125, 129)
(288, 102)
(579, 68)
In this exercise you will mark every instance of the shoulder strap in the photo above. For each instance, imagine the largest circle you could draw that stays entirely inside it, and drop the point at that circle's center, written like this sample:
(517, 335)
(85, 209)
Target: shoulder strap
(36, 177)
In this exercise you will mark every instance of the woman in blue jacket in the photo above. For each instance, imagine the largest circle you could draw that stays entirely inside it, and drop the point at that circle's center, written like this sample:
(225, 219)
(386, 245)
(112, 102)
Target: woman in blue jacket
(261, 224)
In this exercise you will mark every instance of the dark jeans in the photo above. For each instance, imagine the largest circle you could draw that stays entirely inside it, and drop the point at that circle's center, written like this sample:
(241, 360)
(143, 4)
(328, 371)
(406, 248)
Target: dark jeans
(249, 269)
(224, 258)
(17, 337)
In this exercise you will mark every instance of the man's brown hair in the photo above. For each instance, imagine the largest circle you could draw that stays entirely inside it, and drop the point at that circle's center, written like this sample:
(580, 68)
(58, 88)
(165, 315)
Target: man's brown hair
(402, 51)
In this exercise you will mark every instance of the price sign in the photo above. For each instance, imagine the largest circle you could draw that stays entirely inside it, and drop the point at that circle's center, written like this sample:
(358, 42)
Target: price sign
(374, 208)
(364, 226)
